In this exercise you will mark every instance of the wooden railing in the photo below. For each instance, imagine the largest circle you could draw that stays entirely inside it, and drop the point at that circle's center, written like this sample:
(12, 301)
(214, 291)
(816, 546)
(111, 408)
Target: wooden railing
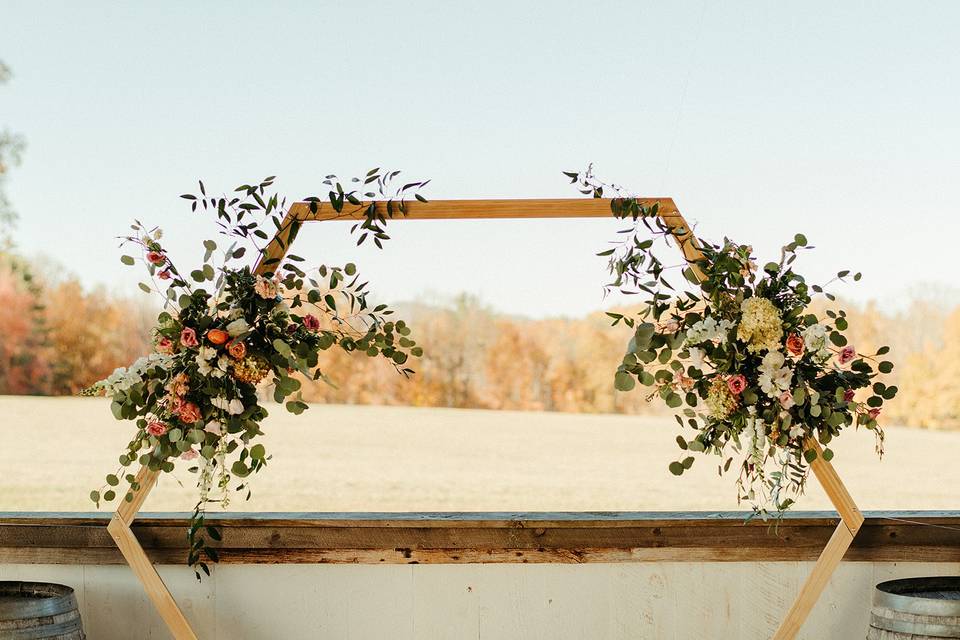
(406, 538)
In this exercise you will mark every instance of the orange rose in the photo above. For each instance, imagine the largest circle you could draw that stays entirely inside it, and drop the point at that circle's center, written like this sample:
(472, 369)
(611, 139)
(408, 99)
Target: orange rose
(794, 344)
(189, 413)
(237, 349)
(217, 336)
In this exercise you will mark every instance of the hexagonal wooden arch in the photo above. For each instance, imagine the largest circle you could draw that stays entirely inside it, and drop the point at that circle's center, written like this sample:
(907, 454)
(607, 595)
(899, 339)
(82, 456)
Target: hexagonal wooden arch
(850, 517)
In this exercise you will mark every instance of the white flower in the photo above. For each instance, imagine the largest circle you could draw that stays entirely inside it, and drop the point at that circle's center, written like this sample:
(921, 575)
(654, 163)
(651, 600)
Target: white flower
(122, 379)
(206, 353)
(796, 431)
(203, 367)
(233, 407)
(774, 378)
(708, 330)
(220, 367)
(237, 327)
(215, 427)
(696, 358)
(815, 341)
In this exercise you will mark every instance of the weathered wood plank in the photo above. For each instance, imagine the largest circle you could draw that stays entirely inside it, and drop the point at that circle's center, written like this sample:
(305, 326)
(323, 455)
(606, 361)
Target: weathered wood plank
(484, 538)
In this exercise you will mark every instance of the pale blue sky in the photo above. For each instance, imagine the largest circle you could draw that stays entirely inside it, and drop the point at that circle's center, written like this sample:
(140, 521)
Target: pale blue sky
(761, 119)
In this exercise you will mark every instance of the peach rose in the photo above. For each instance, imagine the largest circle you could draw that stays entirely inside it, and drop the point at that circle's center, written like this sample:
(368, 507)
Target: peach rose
(155, 257)
(179, 385)
(795, 344)
(189, 413)
(188, 337)
(217, 336)
(736, 384)
(266, 289)
(237, 349)
(165, 274)
(156, 428)
(311, 322)
(846, 354)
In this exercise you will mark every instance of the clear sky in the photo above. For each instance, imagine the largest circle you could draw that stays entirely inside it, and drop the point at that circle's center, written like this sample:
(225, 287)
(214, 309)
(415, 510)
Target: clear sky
(837, 119)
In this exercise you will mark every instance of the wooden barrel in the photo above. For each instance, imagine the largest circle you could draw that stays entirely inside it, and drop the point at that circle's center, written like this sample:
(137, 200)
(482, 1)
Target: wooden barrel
(35, 610)
(916, 608)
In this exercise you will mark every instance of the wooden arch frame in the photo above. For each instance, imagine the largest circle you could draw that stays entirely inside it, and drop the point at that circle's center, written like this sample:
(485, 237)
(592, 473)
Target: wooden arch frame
(850, 517)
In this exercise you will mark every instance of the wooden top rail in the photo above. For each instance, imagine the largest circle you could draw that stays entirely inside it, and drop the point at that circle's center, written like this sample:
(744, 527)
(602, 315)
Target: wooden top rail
(405, 538)
(493, 208)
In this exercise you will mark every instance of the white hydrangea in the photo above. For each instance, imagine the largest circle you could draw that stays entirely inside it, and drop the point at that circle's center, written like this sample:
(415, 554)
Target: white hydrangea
(774, 377)
(708, 330)
(815, 341)
(122, 378)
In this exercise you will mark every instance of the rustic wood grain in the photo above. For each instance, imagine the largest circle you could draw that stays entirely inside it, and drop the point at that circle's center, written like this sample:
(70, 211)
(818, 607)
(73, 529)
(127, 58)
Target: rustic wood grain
(378, 538)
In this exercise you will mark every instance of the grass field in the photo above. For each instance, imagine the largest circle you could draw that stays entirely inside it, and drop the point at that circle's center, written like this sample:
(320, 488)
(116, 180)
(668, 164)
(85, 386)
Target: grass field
(361, 458)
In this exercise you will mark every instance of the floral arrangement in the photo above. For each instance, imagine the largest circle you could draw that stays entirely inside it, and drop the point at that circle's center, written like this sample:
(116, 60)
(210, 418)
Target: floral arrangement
(741, 355)
(226, 329)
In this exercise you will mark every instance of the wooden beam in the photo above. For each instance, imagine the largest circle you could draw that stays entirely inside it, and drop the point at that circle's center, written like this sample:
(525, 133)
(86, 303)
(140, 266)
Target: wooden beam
(512, 208)
(835, 489)
(403, 538)
(504, 209)
(156, 590)
(815, 583)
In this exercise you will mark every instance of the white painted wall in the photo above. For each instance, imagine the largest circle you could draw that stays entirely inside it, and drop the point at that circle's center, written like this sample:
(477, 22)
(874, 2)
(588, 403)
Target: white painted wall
(667, 600)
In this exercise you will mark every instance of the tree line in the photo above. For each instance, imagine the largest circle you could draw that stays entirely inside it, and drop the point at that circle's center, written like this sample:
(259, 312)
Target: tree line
(56, 337)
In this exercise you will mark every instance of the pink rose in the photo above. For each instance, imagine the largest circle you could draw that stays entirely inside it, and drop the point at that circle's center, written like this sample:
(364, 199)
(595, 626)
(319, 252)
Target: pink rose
(156, 428)
(311, 322)
(736, 384)
(786, 400)
(873, 413)
(189, 413)
(155, 257)
(846, 354)
(189, 454)
(188, 337)
(848, 395)
(165, 274)
(164, 345)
